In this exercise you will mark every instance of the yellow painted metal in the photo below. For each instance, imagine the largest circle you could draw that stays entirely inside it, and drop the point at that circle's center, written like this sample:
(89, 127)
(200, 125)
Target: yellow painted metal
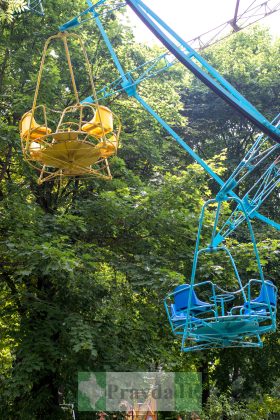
(28, 127)
(67, 150)
(35, 151)
(65, 136)
(101, 123)
(76, 141)
(109, 147)
(71, 155)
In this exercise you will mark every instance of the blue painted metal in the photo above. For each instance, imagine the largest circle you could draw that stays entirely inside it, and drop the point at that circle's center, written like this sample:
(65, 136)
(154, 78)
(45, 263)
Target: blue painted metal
(247, 18)
(78, 20)
(81, 18)
(107, 41)
(223, 324)
(240, 326)
(229, 330)
(147, 70)
(257, 154)
(128, 84)
(219, 84)
(206, 73)
(210, 76)
(266, 220)
(213, 248)
(179, 140)
(261, 155)
(35, 6)
(251, 202)
(216, 329)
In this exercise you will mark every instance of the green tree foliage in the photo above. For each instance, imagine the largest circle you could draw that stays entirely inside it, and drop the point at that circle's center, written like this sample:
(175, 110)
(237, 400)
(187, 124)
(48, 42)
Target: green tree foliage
(86, 264)
(250, 62)
(9, 9)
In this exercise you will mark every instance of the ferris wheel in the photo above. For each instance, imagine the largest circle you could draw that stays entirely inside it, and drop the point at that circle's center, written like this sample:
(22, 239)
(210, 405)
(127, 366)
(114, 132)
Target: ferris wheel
(79, 140)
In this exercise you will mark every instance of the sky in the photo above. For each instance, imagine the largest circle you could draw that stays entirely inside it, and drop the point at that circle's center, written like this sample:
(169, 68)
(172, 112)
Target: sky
(191, 18)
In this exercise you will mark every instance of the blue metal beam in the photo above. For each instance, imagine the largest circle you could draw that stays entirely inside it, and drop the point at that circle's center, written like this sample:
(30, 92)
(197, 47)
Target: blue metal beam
(266, 220)
(130, 88)
(179, 140)
(206, 73)
(107, 41)
(127, 84)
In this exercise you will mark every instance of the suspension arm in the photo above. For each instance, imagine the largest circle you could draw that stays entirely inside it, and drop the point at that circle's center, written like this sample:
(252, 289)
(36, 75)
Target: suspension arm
(206, 73)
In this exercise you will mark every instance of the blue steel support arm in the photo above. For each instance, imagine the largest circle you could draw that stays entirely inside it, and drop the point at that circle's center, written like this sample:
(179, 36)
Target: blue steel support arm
(108, 43)
(78, 20)
(179, 140)
(266, 220)
(206, 73)
(164, 61)
(131, 90)
(129, 85)
(251, 203)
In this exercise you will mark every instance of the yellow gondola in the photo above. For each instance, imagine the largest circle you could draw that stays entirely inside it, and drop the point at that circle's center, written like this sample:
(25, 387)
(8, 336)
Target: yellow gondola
(101, 123)
(82, 140)
(109, 147)
(71, 154)
(29, 128)
(35, 150)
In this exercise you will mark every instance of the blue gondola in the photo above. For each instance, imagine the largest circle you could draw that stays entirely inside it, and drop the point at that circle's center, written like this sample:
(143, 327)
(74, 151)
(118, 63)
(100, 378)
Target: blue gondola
(221, 324)
(228, 318)
(235, 318)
